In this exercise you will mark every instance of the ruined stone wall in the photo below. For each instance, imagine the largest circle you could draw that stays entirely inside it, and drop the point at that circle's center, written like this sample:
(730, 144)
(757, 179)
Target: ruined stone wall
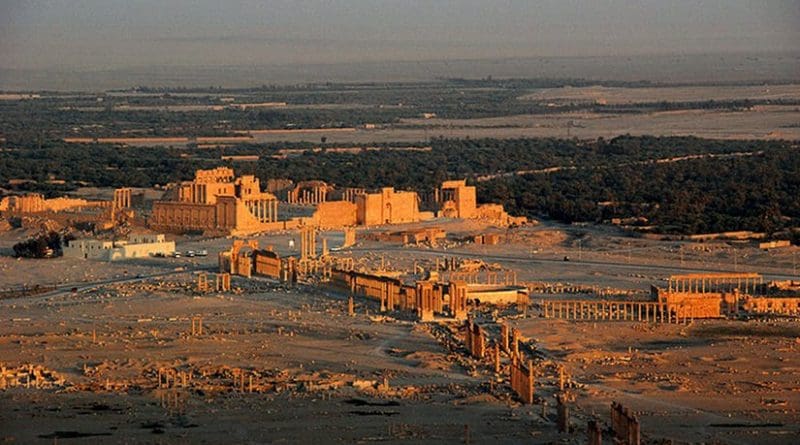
(267, 263)
(776, 305)
(456, 199)
(280, 187)
(335, 214)
(404, 207)
(368, 209)
(695, 305)
(204, 193)
(27, 204)
(180, 216)
(489, 239)
(35, 203)
(228, 214)
(233, 215)
(374, 286)
(463, 198)
(496, 213)
(219, 174)
(248, 187)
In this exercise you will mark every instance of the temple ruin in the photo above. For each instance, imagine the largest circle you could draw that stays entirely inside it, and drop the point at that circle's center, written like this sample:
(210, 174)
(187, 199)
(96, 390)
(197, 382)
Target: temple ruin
(456, 199)
(217, 202)
(67, 211)
(357, 206)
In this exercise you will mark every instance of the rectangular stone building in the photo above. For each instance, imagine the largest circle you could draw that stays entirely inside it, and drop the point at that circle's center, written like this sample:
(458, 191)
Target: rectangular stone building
(387, 207)
(137, 246)
(216, 201)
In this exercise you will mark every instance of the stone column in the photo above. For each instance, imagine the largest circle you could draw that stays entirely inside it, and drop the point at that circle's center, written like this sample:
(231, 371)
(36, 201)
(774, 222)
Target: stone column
(562, 410)
(595, 434)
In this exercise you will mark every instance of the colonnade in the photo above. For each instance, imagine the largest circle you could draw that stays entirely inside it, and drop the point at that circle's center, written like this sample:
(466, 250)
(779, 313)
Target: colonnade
(266, 210)
(595, 310)
(747, 283)
(315, 195)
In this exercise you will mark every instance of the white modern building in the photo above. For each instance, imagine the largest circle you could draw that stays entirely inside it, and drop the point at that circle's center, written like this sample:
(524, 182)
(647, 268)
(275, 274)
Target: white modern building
(137, 246)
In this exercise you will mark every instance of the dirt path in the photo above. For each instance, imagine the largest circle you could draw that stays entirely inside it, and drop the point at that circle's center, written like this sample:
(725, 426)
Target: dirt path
(673, 159)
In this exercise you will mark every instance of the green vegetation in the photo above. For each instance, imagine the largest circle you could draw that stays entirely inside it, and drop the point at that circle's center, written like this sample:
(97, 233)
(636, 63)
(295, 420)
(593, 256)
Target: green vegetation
(693, 196)
(216, 112)
(747, 185)
(43, 246)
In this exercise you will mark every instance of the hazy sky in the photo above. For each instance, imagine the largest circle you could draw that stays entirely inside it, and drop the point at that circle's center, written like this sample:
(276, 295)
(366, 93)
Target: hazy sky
(102, 34)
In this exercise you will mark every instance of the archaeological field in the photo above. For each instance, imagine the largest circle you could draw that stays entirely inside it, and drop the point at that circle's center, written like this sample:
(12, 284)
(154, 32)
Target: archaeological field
(451, 260)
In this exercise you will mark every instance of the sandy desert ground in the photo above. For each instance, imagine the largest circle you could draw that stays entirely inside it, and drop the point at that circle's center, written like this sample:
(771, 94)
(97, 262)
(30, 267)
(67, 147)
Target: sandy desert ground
(318, 374)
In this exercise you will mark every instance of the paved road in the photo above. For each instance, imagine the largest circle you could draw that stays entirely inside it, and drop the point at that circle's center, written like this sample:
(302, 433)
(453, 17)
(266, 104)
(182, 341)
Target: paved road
(66, 288)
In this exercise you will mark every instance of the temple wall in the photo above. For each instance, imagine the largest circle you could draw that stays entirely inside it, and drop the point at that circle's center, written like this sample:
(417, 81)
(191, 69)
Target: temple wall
(267, 263)
(387, 207)
(174, 215)
(696, 305)
(335, 214)
(775, 305)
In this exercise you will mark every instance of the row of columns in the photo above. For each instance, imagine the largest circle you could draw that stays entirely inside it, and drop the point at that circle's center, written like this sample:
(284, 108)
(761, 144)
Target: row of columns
(625, 425)
(308, 243)
(611, 310)
(122, 198)
(746, 284)
(266, 210)
(509, 277)
(388, 296)
(351, 193)
(305, 196)
(171, 378)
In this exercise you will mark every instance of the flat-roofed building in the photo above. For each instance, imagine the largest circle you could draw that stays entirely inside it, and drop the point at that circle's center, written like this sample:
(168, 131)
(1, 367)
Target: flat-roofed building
(136, 246)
